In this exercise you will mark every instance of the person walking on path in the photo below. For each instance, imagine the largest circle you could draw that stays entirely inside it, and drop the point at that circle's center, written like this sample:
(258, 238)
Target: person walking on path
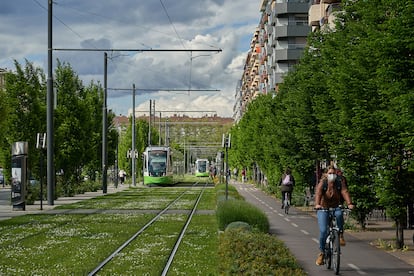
(286, 183)
(330, 192)
(243, 173)
(122, 175)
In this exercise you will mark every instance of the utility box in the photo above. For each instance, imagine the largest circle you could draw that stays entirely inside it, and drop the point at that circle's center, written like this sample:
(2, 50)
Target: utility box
(19, 175)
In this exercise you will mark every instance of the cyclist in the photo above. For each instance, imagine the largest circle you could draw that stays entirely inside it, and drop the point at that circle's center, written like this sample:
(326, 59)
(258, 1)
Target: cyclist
(330, 193)
(286, 183)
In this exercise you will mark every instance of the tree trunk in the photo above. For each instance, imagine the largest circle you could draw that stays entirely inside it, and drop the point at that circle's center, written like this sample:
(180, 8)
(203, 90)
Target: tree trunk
(400, 235)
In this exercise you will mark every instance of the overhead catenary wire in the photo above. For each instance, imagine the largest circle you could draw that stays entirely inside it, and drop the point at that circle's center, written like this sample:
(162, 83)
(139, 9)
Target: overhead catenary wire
(94, 48)
(172, 24)
(122, 20)
(64, 24)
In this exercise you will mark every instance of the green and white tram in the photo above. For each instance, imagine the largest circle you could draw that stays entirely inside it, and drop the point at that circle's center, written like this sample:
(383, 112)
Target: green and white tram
(201, 168)
(157, 165)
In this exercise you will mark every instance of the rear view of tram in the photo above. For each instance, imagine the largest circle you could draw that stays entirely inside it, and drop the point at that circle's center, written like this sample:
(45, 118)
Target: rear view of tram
(157, 166)
(201, 168)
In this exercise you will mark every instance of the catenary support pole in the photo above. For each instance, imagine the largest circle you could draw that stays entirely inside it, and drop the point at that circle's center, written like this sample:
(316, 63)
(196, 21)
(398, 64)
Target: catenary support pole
(133, 153)
(105, 129)
(49, 112)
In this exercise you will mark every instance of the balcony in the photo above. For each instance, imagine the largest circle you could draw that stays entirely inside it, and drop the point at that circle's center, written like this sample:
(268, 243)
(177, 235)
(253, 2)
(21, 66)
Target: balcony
(330, 1)
(291, 7)
(269, 29)
(288, 54)
(292, 30)
(314, 15)
(332, 8)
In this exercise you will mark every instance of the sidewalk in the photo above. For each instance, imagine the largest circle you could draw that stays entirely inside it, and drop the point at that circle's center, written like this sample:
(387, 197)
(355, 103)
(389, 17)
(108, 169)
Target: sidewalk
(6, 210)
(382, 234)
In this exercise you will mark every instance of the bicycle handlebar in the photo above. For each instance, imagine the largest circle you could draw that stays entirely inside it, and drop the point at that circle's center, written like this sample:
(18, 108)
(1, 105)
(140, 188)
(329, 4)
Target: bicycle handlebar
(332, 208)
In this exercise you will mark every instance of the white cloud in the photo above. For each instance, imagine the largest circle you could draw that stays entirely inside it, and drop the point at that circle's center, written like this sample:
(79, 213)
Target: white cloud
(131, 24)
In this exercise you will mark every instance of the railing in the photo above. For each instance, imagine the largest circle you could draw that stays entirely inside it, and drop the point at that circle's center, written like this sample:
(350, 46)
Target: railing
(377, 215)
(292, 1)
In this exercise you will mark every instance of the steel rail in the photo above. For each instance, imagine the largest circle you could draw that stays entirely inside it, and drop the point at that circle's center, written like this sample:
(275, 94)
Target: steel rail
(133, 237)
(178, 242)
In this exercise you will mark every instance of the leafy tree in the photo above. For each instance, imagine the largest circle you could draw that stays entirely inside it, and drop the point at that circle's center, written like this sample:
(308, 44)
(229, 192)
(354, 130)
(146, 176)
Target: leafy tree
(23, 106)
(350, 99)
(380, 110)
(78, 129)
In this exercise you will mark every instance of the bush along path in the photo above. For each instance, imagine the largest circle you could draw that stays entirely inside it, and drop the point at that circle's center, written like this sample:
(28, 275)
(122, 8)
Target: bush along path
(245, 247)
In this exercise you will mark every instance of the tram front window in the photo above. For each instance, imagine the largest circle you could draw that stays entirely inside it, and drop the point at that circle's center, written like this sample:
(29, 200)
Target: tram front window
(157, 163)
(202, 167)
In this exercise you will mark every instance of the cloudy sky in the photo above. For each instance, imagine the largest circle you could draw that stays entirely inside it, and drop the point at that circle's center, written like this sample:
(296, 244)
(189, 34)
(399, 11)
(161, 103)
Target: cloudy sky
(140, 24)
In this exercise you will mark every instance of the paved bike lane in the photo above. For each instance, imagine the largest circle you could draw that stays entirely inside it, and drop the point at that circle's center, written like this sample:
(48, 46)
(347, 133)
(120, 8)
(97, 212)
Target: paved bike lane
(299, 231)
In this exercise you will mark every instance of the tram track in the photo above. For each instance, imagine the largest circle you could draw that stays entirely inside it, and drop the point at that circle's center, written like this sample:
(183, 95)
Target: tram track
(151, 222)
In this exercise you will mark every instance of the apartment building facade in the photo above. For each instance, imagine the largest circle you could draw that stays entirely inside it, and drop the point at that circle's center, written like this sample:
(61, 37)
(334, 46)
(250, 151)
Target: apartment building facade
(322, 14)
(276, 46)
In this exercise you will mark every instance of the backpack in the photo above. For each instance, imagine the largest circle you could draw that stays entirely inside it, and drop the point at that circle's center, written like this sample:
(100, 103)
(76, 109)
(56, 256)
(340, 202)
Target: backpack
(287, 180)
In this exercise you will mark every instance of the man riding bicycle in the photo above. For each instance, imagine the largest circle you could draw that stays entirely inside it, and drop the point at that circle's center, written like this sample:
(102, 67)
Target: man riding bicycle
(331, 192)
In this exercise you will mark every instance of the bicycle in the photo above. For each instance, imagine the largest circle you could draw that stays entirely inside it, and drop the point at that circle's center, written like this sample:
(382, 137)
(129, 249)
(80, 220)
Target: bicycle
(286, 202)
(332, 253)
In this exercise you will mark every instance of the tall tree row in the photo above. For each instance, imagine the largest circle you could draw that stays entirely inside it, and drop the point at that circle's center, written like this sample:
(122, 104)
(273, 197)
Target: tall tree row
(351, 99)
(77, 123)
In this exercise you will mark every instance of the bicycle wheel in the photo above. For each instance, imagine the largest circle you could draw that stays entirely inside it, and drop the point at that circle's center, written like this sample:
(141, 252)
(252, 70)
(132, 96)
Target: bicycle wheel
(286, 207)
(328, 253)
(336, 252)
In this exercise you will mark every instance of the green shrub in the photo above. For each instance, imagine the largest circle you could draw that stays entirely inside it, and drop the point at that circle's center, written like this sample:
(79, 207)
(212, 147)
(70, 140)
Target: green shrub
(231, 192)
(238, 210)
(239, 225)
(255, 253)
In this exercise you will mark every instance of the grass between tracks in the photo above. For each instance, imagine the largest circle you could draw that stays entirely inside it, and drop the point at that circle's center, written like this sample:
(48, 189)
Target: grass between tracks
(73, 244)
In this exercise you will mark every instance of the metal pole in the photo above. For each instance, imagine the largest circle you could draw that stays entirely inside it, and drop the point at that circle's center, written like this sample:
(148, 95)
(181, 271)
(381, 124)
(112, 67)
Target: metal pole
(41, 179)
(133, 138)
(165, 134)
(105, 128)
(116, 161)
(227, 164)
(159, 131)
(149, 124)
(49, 112)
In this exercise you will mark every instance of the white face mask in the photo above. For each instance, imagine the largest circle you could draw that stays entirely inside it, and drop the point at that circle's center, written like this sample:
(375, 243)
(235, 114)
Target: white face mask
(331, 177)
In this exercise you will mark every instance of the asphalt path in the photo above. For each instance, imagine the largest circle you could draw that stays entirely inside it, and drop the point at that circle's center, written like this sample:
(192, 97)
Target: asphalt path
(5, 197)
(299, 231)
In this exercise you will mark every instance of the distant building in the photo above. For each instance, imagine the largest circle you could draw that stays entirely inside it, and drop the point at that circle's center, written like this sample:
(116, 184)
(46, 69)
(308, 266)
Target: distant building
(2, 78)
(200, 135)
(120, 123)
(276, 46)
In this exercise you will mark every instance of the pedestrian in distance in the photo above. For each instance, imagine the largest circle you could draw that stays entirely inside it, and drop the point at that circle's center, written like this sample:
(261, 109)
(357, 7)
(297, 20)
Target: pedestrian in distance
(122, 175)
(331, 192)
(235, 173)
(243, 173)
(286, 183)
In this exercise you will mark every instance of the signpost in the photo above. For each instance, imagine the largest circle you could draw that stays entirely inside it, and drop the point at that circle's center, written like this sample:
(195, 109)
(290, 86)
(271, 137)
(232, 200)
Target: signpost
(19, 175)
